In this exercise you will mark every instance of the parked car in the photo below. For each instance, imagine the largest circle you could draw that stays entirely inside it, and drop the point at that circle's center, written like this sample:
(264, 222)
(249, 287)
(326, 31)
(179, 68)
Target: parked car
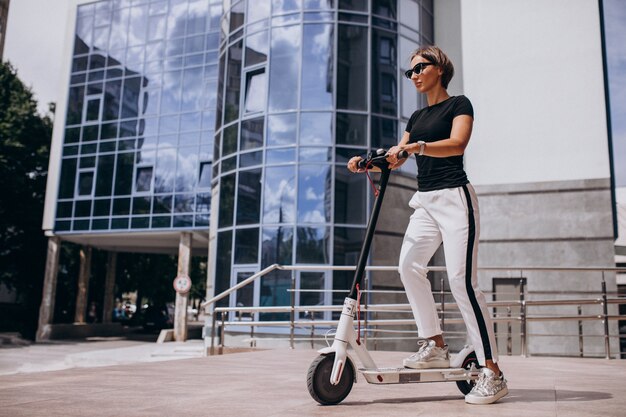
(156, 317)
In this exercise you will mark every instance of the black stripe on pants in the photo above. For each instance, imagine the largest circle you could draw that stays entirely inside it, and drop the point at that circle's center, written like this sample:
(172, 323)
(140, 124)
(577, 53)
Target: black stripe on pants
(484, 335)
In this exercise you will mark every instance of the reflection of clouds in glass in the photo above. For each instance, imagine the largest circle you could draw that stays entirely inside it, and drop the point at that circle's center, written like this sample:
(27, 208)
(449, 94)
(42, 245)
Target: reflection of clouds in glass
(284, 68)
(281, 129)
(176, 20)
(279, 195)
(176, 168)
(258, 10)
(315, 129)
(285, 5)
(314, 194)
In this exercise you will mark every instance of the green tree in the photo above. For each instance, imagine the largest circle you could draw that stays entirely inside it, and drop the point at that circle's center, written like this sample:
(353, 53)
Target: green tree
(24, 150)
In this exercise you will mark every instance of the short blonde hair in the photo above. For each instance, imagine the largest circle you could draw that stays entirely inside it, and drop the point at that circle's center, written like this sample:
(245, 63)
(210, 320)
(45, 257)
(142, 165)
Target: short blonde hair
(436, 56)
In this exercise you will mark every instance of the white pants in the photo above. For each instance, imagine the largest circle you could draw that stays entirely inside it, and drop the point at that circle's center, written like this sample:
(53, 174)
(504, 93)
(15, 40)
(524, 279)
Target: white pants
(450, 216)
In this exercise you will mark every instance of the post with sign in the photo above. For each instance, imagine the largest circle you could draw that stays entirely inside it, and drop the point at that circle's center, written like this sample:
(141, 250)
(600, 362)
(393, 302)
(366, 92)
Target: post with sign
(182, 285)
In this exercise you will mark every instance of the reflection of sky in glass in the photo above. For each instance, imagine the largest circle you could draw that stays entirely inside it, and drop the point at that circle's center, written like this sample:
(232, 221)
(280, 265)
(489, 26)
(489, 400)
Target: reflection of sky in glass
(281, 129)
(314, 194)
(615, 31)
(284, 68)
(279, 195)
(317, 67)
(316, 129)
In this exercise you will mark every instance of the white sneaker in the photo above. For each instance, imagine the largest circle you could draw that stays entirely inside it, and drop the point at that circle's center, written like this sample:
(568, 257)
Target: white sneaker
(428, 356)
(488, 389)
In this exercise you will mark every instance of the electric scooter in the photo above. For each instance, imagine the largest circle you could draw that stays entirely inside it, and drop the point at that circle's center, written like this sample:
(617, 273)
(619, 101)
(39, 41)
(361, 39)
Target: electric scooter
(331, 375)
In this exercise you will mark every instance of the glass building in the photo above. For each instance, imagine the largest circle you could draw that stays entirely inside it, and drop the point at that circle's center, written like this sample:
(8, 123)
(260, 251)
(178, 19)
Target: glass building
(303, 86)
(139, 127)
(251, 108)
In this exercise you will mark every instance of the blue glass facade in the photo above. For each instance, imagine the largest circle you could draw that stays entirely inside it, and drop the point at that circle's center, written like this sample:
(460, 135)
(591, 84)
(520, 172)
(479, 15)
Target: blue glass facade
(304, 85)
(250, 107)
(138, 142)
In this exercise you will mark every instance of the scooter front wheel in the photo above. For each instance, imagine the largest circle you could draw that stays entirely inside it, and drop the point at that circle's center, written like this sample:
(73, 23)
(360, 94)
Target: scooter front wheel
(466, 386)
(318, 381)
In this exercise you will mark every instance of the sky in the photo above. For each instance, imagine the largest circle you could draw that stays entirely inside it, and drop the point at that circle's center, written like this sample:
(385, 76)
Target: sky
(34, 45)
(35, 42)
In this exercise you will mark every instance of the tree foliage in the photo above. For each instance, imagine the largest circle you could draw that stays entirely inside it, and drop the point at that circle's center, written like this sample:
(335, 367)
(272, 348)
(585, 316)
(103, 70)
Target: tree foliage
(24, 150)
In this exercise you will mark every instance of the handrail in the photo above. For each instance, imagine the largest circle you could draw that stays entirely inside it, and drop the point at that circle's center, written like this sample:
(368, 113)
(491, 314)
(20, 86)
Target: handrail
(603, 300)
(274, 267)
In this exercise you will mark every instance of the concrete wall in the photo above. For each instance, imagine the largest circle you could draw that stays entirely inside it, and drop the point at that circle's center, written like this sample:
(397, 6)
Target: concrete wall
(539, 154)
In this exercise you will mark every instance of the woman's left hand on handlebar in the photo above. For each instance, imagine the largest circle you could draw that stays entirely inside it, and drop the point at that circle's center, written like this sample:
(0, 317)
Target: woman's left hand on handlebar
(393, 157)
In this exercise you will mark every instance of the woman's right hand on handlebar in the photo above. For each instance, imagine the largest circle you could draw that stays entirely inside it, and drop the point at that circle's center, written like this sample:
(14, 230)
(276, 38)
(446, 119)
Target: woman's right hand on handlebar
(353, 164)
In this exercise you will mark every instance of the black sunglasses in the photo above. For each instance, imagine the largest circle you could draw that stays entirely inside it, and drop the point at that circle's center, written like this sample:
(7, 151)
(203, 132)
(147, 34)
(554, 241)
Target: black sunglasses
(417, 69)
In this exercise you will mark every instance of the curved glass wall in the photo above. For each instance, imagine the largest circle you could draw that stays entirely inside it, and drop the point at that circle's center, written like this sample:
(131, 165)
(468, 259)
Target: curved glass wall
(302, 86)
(139, 131)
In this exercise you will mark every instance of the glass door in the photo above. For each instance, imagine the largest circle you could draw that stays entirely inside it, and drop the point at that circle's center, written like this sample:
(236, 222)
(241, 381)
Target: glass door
(247, 296)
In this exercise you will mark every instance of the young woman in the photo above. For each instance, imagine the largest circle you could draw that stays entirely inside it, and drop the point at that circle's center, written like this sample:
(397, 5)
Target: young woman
(446, 211)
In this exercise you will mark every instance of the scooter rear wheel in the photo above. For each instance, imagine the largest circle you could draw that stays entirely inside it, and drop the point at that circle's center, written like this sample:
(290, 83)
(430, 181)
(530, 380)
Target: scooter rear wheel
(318, 381)
(466, 386)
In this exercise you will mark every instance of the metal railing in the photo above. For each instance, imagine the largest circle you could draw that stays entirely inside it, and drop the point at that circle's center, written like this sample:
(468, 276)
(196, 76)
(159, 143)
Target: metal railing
(373, 326)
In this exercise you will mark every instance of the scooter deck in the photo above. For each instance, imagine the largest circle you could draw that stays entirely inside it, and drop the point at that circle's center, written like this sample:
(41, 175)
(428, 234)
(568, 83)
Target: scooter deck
(407, 375)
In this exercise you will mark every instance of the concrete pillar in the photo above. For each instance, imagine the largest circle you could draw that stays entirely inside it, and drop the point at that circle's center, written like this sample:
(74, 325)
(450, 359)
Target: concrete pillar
(182, 299)
(83, 285)
(46, 310)
(109, 288)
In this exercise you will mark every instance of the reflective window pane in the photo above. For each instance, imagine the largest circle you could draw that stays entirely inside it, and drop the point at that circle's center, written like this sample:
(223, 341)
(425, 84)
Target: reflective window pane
(249, 197)
(104, 176)
(165, 170)
(319, 4)
(284, 69)
(247, 246)
(384, 132)
(351, 129)
(255, 91)
(85, 183)
(227, 200)
(223, 263)
(258, 10)
(384, 72)
(205, 175)
(277, 246)
(257, 48)
(275, 288)
(350, 197)
(233, 82)
(124, 173)
(316, 129)
(143, 179)
(252, 133)
(347, 245)
(356, 5)
(279, 195)
(281, 129)
(317, 76)
(280, 156)
(282, 6)
(230, 140)
(314, 281)
(314, 193)
(312, 245)
(352, 68)
(385, 8)
(187, 169)
(317, 154)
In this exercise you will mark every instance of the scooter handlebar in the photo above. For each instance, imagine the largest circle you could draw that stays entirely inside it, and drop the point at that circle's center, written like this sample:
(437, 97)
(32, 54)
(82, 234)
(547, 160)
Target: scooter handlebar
(378, 158)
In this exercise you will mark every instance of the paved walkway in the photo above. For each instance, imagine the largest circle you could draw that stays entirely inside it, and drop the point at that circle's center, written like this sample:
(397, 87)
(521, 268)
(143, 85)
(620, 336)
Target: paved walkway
(272, 383)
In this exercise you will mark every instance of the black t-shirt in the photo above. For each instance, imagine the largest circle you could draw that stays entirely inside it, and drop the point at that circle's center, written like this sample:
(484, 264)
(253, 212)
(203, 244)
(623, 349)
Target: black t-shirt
(431, 124)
